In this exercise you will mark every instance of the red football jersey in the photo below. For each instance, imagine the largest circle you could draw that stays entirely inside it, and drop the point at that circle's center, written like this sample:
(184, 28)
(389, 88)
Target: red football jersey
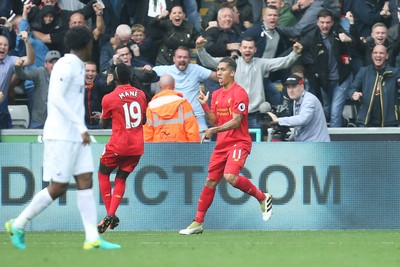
(126, 106)
(224, 103)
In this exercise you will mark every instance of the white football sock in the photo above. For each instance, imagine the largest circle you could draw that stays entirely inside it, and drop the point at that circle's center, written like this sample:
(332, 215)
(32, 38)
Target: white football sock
(39, 203)
(87, 208)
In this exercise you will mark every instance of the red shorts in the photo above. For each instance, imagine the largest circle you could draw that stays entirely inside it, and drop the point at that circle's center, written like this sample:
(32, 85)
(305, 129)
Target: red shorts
(226, 162)
(113, 160)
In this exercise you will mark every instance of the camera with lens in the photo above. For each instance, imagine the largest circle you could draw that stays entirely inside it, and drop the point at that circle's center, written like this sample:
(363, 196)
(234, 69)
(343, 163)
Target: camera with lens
(265, 120)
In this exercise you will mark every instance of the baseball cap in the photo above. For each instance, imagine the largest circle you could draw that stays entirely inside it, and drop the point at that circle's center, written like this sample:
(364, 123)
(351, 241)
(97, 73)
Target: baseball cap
(53, 54)
(294, 80)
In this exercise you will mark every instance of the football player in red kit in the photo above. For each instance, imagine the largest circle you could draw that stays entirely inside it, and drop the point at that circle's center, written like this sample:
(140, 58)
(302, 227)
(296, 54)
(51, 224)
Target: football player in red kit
(228, 118)
(126, 107)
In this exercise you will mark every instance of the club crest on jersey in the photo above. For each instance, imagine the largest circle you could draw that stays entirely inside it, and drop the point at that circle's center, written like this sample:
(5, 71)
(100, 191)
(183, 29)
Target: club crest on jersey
(242, 107)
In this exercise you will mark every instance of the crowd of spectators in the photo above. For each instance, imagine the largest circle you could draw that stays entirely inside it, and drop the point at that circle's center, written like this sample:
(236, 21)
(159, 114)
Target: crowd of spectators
(337, 39)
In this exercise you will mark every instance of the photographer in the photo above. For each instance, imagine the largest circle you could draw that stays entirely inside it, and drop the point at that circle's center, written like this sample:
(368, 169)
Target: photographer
(308, 120)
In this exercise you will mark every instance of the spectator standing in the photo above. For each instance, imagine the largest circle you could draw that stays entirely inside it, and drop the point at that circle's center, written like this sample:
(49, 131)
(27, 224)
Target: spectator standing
(309, 10)
(222, 38)
(368, 12)
(41, 78)
(40, 48)
(96, 87)
(286, 17)
(126, 108)
(122, 36)
(176, 32)
(309, 119)
(144, 43)
(251, 71)
(78, 19)
(142, 77)
(270, 43)
(54, 36)
(243, 6)
(376, 88)
(47, 27)
(328, 68)
(228, 119)
(187, 78)
(7, 63)
(379, 35)
(170, 117)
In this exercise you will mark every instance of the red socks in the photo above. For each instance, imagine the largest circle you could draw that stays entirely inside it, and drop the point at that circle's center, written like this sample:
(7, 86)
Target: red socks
(111, 201)
(105, 189)
(205, 200)
(207, 196)
(117, 195)
(248, 187)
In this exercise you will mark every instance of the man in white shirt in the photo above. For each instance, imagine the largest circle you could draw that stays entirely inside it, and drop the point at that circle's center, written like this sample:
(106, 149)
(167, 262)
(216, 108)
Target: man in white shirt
(65, 130)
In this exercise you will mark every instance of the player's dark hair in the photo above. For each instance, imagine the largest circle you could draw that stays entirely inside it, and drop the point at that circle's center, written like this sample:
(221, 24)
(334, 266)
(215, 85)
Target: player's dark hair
(123, 73)
(230, 61)
(77, 38)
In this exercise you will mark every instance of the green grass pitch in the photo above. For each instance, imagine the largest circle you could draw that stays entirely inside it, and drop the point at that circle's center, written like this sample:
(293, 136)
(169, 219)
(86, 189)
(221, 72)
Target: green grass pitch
(211, 249)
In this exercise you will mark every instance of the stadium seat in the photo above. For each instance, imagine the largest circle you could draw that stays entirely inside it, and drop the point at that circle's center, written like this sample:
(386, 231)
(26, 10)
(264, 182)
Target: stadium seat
(257, 133)
(19, 116)
(350, 113)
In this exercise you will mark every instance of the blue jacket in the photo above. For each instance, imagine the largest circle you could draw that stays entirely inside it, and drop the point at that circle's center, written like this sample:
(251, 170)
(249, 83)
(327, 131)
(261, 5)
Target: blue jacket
(366, 14)
(366, 81)
(260, 39)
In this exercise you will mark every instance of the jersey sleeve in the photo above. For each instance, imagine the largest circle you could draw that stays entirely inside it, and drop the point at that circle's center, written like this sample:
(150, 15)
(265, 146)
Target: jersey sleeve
(62, 80)
(106, 110)
(240, 102)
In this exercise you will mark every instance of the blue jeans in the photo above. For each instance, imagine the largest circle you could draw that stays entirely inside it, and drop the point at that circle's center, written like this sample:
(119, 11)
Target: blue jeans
(192, 14)
(36, 124)
(272, 94)
(334, 99)
(257, 6)
(253, 124)
(210, 86)
(5, 120)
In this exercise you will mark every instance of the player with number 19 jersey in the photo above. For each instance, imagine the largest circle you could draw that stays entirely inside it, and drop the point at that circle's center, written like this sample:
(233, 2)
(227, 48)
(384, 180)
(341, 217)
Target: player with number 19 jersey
(126, 106)
(224, 103)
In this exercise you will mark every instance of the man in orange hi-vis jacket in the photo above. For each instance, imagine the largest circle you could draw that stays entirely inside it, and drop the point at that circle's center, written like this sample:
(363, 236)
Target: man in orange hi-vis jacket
(170, 117)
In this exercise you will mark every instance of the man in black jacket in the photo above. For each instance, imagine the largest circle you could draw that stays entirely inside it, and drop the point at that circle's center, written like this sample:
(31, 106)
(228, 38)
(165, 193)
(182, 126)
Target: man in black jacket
(327, 64)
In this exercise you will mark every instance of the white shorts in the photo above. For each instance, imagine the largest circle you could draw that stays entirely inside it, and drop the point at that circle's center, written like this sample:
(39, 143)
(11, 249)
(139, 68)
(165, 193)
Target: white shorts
(64, 159)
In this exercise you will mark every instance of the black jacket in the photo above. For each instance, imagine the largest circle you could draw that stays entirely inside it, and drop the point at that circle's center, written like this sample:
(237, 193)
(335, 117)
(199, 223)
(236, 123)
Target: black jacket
(173, 37)
(315, 56)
